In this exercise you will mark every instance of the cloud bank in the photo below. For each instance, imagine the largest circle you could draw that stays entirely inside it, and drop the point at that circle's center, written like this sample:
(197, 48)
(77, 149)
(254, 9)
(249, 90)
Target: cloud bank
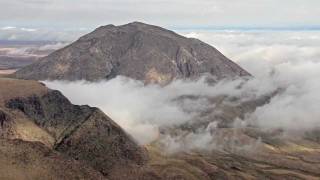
(31, 49)
(283, 62)
(12, 33)
(290, 59)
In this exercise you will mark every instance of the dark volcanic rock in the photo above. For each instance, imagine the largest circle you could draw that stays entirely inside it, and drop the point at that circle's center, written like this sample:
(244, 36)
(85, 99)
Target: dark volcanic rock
(136, 50)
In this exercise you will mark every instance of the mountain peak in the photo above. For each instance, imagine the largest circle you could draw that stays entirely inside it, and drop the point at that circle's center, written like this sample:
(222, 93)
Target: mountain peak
(134, 27)
(136, 50)
(138, 23)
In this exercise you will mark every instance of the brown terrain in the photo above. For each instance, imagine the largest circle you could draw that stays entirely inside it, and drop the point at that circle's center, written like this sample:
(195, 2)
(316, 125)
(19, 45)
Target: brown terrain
(21, 160)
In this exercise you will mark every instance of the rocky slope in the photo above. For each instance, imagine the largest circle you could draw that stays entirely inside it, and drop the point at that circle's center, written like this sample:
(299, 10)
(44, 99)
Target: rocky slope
(22, 160)
(136, 50)
(32, 113)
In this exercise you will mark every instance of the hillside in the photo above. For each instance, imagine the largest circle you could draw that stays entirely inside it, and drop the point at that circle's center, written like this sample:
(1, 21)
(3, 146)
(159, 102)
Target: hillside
(44, 118)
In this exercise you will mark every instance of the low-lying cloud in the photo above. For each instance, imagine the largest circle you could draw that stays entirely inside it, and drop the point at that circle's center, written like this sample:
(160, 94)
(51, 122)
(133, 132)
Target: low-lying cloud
(40, 34)
(37, 49)
(292, 71)
(260, 51)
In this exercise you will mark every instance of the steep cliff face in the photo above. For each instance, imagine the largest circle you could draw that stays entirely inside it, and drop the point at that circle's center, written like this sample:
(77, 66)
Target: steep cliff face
(136, 50)
(82, 133)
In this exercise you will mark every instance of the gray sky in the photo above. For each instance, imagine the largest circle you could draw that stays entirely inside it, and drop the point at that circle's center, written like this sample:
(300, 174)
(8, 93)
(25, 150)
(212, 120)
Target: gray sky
(69, 19)
(169, 13)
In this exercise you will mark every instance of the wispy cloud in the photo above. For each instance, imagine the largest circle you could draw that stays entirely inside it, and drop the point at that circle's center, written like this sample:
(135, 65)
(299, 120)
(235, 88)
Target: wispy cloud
(40, 34)
(8, 28)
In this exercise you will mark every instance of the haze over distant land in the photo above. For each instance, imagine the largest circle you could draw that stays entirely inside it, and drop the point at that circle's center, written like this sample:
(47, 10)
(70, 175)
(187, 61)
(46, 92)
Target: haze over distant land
(17, 54)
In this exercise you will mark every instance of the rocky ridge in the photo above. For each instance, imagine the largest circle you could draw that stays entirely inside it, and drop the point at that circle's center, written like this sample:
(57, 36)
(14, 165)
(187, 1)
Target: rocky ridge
(82, 133)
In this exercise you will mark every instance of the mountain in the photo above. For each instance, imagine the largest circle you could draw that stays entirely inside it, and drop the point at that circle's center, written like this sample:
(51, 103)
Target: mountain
(54, 133)
(137, 50)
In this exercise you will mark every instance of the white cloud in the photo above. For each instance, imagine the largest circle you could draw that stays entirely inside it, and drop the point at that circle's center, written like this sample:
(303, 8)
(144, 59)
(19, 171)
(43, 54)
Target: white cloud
(260, 51)
(53, 46)
(8, 28)
(28, 29)
(293, 59)
(139, 109)
(297, 107)
(41, 34)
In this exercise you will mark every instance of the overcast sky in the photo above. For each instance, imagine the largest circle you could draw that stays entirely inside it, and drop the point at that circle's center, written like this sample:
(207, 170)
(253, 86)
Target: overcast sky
(66, 20)
(168, 13)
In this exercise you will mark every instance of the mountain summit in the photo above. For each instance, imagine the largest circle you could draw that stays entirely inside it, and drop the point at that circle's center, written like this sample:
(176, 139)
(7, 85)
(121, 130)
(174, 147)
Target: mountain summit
(137, 50)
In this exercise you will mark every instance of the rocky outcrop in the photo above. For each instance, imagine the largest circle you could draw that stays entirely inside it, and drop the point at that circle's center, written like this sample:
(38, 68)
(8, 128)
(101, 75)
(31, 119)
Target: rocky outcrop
(51, 111)
(135, 50)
